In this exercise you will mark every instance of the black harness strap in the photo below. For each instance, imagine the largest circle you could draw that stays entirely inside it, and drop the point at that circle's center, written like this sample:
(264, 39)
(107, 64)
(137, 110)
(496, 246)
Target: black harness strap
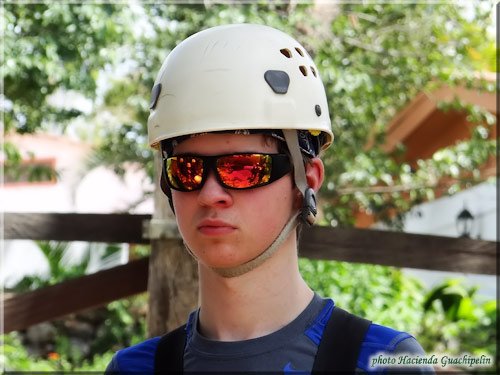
(341, 343)
(169, 356)
(338, 350)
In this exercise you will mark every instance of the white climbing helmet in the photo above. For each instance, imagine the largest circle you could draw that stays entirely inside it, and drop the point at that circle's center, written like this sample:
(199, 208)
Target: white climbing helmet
(240, 76)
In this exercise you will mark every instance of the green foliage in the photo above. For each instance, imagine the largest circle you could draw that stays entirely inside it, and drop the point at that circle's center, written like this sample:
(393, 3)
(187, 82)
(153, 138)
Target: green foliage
(381, 293)
(454, 322)
(455, 301)
(60, 269)
(54, 46)
(14, 357)
(125, 325)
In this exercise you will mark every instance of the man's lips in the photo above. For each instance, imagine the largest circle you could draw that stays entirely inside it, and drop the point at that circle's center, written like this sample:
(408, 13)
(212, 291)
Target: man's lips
(213, 227)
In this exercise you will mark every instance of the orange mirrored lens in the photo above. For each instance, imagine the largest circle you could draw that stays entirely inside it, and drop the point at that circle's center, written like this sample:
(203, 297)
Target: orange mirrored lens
(185, 173)
(243, 171)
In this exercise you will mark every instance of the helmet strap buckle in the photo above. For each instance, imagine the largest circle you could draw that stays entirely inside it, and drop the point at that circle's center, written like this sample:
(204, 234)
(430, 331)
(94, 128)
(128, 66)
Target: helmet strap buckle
(309, 207)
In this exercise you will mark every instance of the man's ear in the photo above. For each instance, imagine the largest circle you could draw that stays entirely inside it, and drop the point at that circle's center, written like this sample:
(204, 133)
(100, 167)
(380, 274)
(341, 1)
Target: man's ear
(315, 173)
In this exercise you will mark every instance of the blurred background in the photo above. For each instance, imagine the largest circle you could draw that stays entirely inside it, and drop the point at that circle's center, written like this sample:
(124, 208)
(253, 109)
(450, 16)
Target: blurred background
(412, 96)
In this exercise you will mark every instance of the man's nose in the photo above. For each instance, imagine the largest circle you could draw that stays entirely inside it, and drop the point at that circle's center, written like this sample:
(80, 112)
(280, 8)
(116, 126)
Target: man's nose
(213, 193)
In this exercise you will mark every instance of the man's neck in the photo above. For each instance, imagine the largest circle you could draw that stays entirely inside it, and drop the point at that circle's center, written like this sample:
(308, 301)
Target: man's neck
(254, 304)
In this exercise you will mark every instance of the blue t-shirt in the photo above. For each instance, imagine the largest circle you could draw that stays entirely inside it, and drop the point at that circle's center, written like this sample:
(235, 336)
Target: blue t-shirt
(290, 349)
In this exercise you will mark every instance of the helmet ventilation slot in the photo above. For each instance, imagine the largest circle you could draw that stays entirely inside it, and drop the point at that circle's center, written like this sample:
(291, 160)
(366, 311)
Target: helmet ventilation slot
(299, 51)
(303, 70)
(313, 71)
(286, 52)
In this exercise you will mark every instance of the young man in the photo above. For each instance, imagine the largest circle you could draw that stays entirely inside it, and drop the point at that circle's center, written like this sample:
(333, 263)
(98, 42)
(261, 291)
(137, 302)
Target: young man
(240, 116)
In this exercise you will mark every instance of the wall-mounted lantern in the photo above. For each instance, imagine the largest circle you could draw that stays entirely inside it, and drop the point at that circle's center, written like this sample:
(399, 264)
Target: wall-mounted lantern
(465, 223)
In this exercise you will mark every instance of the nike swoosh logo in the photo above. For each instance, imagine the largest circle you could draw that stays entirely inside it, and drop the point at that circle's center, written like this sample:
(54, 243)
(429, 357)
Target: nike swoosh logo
(288, 369)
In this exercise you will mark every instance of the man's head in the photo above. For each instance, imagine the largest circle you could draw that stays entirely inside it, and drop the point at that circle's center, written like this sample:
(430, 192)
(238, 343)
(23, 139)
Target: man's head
(239, 82)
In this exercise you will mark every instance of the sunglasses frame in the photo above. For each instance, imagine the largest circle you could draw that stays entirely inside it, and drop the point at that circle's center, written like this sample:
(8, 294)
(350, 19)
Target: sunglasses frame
(280, 166)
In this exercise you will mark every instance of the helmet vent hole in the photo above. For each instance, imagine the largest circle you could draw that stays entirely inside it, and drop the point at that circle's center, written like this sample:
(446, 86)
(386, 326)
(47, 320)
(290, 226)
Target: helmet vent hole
(286, 52)
(303, 70)
(313, 71)
(299, 51)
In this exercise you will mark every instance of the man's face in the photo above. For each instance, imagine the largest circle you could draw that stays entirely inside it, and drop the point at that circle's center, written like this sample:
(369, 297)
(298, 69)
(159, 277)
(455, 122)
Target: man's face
(227, 227)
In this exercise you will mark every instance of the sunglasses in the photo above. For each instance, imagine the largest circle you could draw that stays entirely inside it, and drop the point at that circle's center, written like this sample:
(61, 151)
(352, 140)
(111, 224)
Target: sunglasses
(233, 171)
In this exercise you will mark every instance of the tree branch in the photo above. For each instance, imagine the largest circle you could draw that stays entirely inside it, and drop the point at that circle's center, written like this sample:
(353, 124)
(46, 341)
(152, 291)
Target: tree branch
(382, 189)
(398, 188)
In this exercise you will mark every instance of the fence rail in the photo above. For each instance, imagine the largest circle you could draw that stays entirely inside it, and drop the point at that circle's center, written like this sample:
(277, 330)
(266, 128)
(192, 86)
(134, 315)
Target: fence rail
(350, 245)
(75, 227)
(399, 249)
(77, 294)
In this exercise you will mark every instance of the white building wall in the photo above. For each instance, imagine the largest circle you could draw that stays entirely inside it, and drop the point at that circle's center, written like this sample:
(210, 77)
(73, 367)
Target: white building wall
(76, 190)
(439, 218)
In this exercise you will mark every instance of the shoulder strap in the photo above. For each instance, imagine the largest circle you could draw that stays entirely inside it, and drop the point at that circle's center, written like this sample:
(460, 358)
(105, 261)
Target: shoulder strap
(169, 355)
(341, 343)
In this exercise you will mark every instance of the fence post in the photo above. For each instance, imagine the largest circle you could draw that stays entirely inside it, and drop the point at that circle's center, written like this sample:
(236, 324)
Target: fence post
(173, 274)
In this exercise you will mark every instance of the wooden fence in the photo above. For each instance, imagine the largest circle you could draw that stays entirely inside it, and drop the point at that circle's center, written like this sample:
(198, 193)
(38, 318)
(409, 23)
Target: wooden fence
(349, 244)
